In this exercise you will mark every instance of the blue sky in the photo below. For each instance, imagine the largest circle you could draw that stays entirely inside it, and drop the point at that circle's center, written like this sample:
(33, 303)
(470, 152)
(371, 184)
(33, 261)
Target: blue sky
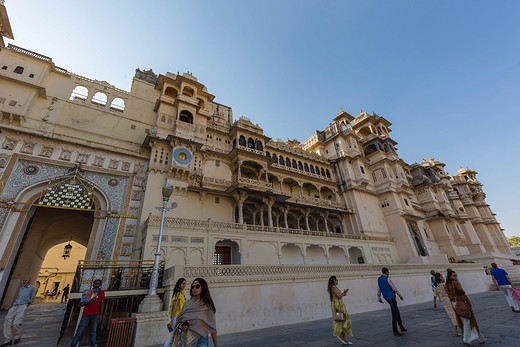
(445, 73)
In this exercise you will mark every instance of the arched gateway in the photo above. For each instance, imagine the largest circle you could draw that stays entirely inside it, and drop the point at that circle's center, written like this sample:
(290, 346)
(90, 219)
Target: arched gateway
(42, 205)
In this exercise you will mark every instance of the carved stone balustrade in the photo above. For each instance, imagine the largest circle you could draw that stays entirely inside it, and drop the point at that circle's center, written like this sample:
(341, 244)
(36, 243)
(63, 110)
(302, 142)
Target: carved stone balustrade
(250, 182)
(253, 273)
(301, 172)
(252, 150)
(208, 225)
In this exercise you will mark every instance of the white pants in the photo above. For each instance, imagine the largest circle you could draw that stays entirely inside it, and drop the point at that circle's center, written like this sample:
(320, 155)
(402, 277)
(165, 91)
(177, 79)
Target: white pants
(167, 344)
(511, 300)
(13, 322)
(470, 334)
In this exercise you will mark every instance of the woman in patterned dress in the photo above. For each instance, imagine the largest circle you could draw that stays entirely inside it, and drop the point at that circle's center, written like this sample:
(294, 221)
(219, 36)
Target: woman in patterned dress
(440, 291)
(342, 328)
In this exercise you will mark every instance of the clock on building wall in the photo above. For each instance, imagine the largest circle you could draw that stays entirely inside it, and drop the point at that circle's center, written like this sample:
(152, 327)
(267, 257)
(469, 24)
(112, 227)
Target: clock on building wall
(181, 156)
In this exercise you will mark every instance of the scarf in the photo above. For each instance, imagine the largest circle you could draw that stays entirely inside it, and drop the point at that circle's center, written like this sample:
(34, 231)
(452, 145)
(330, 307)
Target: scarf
(200, 317)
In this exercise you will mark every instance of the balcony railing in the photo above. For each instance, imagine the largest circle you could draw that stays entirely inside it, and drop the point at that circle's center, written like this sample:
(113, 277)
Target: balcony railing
(252, 150)
(252, 182)
(208, 225)
(115, 274)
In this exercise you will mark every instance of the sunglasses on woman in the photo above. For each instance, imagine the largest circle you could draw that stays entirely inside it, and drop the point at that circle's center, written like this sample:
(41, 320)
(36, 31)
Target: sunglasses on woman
(196, 286)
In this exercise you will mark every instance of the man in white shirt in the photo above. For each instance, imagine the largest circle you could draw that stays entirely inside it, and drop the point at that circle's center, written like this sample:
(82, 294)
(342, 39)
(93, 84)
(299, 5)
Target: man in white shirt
(15, 315)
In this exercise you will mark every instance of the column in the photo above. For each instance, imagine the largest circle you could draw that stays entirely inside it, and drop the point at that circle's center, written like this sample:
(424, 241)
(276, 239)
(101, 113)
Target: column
(285, 211)
(269, 202)
(239, 162)
(325, 216)
(240, 197)
(262, 215)
(306, 214)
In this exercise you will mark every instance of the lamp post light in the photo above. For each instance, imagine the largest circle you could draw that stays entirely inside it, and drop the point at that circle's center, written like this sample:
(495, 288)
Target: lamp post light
(166, 193)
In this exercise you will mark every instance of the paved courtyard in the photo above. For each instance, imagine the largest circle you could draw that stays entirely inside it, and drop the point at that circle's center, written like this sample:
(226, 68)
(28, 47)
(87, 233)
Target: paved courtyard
(426, 327)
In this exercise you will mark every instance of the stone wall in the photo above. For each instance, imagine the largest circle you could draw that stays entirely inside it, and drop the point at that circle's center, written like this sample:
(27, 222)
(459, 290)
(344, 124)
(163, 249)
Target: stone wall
(254, 297)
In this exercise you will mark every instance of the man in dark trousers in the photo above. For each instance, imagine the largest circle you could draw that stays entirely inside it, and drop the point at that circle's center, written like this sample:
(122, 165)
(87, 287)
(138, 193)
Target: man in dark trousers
(389, 291)
(91, 315)
(65, 294)
(503, 282)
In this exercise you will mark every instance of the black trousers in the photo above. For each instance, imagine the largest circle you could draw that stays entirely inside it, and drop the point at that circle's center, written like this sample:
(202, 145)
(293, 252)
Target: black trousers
(396, 316)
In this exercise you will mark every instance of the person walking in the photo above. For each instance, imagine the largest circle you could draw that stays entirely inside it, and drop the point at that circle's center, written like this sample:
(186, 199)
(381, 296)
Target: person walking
(502, 281)
(467, 324)
(389, 292)
(92, 312)
(341, 324)
(197, 317)
(440, 290)
(15, 315)
(432, 280)
(65, 294)
(178, 299)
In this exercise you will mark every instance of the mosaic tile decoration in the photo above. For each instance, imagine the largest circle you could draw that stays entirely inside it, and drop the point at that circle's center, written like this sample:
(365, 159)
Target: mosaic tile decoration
(116, 195)
(67, 195)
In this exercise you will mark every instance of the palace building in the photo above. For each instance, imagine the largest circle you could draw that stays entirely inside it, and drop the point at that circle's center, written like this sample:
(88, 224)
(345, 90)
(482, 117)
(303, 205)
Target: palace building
(85, 161)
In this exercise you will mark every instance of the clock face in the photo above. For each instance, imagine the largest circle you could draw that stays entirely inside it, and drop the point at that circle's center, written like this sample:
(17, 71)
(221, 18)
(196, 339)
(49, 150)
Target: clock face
(182, 156)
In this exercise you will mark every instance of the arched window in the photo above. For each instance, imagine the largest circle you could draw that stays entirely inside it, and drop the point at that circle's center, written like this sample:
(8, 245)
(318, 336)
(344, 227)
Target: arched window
(259, 145)
(188, 92)
(186, 117)
(370, 149)
(99, 99)
(268, 155)
(322, 172)
(300, 166)
(250, 143)
(79, 92)
(274, 157)
(327, 172)
(18, 70)
(317, 170)
(242, 140)
(288, 162)
(163, 119)
(118, 104)
(294, 165)
(306, 167)
(281, 161)
(172, 92)
(312, 169)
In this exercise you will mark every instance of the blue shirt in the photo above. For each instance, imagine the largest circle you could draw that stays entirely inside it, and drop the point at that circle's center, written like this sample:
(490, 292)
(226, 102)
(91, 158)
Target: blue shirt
(385, 288)
(500, 276)
(25, 295)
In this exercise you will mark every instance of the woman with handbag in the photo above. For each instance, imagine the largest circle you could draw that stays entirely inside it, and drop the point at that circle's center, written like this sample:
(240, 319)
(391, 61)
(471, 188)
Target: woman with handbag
(197, 318)
(178, 299)
(440, 291)
(465, 316)
(341, 325)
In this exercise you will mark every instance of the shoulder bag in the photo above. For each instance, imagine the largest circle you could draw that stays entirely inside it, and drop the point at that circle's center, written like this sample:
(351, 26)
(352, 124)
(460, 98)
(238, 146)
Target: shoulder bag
(463, 310)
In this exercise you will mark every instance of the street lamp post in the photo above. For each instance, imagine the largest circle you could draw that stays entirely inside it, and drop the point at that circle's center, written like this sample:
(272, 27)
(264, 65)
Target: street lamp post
(166, 193)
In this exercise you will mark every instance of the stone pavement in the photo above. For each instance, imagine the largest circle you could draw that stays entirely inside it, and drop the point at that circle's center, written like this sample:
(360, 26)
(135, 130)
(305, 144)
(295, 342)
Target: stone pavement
(41, 326)
(426, 327)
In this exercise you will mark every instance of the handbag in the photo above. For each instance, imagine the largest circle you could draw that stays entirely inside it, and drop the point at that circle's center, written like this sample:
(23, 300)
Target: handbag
(183, 338)
(463, 310)
(338, 316)
(516, 294)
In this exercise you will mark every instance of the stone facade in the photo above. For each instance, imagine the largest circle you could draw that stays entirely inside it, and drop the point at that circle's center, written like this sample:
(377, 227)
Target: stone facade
(343, 196)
